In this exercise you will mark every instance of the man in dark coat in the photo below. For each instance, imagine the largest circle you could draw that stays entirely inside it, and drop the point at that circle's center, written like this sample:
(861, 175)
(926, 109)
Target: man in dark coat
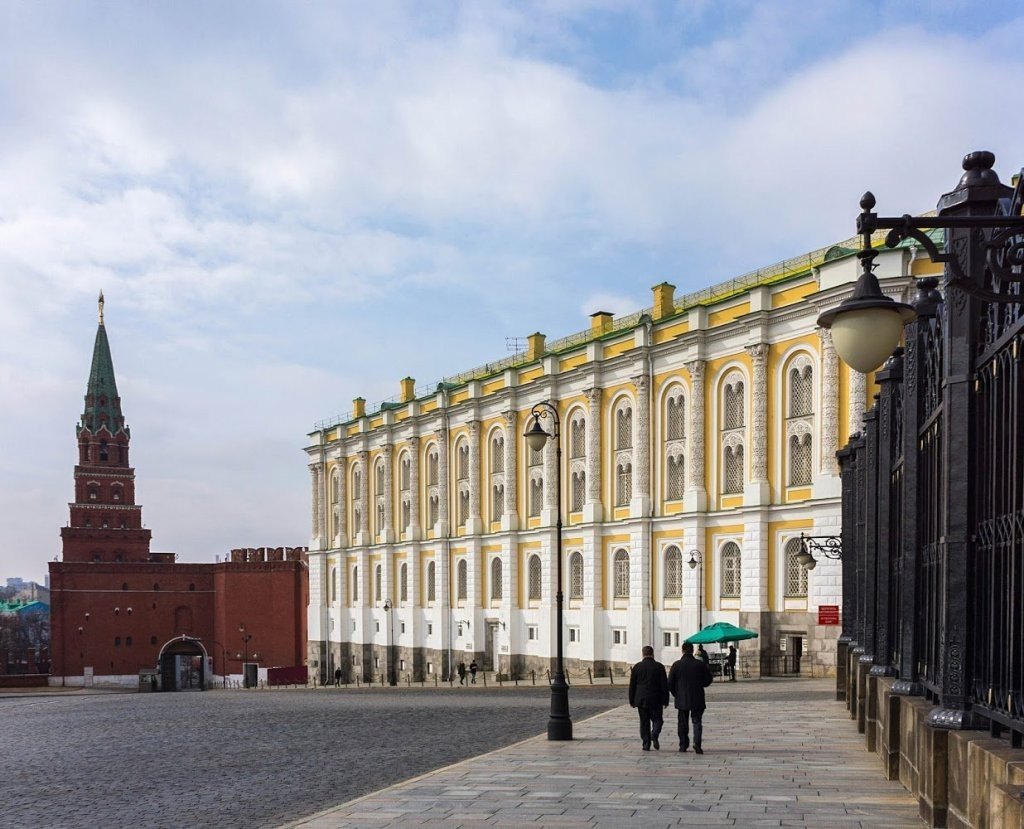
(648, 694)
(730, 663)
(687, 681)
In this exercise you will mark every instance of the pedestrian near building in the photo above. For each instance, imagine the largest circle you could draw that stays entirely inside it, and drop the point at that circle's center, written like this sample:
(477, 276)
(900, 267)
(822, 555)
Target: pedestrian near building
(648, 693)
(472, 672)
(461, 668)
(702, 655)
(686, 681)
(337, 677)
(730, 663)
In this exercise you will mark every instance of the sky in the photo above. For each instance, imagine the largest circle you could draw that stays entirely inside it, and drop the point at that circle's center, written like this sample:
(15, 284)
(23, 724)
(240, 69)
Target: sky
(290, 205)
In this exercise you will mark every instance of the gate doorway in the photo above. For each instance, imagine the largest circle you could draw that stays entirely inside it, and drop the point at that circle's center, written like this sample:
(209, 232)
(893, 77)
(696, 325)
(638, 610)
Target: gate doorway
(182, 664)
(491, 647)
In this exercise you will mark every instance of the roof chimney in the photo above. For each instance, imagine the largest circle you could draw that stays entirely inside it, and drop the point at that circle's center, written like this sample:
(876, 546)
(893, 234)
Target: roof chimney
(664, 300)
(359, 407)
(600, 322)
(535, 346)
(408, 386)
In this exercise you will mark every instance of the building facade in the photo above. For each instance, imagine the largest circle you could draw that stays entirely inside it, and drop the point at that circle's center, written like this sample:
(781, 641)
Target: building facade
(117, 608)
(698, 442)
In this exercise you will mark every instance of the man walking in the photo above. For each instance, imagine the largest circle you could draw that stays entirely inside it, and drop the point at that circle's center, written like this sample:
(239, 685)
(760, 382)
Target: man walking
(648, 693)
(687, 681)
(472, 672)
(730, 663)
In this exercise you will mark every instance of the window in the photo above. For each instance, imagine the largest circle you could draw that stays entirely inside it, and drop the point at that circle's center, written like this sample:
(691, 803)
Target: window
(430, 667)
(434, 509)
(335, 486)
(496, 579)
(376, 626)
(377, 579)
(464, 506)
(405, 473)
(624, 427)
(733, 434)
(800, 420)
(128, 641)
(92, 494)
(574, 634)
(670, 638)
(675, 417)
(536, 486)
(462, 587)
(462, 461)
(401, 664)
(355, 584)
(497, 501)
(431, 590)
(796, 576)
(619, 636)
(117, 641)
(579, 490)
(578, 437)
(576, 575)
(357, 484)
(432, 464)
(534, 580)
(355, 659)
(673, 573)
(402, 628)
(334, 584)
(498, 454)
(430, 628)
(403, 583)
(152, 640)
(378, 478)
(730, 570)
(536, 497)
(458, 631)
(623, 484)
(676, 480)
(620, 571)
(532, 633)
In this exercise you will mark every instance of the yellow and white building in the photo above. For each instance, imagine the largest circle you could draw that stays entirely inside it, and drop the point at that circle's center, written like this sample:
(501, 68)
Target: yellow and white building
(706, 423)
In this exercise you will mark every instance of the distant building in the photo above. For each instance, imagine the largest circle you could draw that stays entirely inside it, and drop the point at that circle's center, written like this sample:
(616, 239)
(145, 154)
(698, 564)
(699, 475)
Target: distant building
(24, 637)
(28, 591)
(118, 608)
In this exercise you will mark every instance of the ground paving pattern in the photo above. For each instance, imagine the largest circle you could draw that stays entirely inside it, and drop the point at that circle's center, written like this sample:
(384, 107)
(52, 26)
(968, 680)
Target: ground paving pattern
(776, 754)
(244, 758)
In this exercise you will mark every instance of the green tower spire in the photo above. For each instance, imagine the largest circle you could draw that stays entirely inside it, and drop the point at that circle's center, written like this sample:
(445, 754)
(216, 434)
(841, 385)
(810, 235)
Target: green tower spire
(102, 404)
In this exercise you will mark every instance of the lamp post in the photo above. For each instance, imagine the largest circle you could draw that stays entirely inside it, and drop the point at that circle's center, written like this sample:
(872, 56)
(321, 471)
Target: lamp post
(697, 557)
(830, 546)
(246, 638)
(388, 607)
(559, 722)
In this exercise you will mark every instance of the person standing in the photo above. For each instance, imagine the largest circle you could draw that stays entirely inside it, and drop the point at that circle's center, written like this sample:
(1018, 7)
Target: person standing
(730, 663)
(702, 655)
(648, 693)
(472, 672)
(337, 677)
(686, 681)
(462, 673)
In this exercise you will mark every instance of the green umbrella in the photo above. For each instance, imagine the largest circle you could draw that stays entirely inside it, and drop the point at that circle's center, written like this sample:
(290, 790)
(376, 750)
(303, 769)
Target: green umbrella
(720, 632)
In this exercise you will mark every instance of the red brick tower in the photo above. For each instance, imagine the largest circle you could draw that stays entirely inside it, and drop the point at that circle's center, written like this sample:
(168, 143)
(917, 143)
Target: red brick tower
(106, 523)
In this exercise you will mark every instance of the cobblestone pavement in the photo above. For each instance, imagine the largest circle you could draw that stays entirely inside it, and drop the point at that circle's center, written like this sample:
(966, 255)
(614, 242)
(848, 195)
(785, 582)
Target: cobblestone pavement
(243, 758)
(776, 754)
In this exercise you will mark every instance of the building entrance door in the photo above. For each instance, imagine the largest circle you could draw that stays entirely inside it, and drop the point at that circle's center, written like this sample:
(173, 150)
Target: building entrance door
(491, 647)
(183, 665)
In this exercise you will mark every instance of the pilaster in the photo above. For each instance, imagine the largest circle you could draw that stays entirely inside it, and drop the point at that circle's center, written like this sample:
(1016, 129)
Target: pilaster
(592, 509)
(510, 518)
(757, 490)
(695, 499)
(475, 525)
(415, 525)
(387, 532)
(640, 504)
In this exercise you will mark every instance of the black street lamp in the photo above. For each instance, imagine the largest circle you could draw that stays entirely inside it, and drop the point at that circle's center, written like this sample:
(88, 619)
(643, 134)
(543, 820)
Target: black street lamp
(697, 557)
(559, 723)
(388, 607)
(830, 546)
(246, 638)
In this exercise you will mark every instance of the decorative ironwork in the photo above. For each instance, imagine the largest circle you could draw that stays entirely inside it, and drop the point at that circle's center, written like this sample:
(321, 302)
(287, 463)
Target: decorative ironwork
(830, 546)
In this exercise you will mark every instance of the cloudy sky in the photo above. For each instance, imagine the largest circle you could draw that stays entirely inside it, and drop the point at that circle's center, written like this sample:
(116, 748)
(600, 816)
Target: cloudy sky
(289, 205)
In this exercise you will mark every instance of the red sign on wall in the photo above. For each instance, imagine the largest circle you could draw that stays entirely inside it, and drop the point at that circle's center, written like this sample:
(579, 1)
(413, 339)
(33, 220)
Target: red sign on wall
(828, 614)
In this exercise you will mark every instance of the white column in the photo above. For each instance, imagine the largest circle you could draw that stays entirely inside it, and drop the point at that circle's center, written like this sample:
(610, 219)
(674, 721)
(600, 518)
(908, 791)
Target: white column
(640, 504)
(415, 529)
(341, 518)
(475, 525)
(592, 510)
(316, 541)
(858, 400)
(388, 529)
(510, 518)
(549, 514)
(696, 496)
(362, 531)
(442, 481)
(757, 490)
(829, 404)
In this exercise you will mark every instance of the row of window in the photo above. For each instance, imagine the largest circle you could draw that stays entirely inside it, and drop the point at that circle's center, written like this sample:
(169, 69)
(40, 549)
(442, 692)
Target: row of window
(730, 561)
(799, 432)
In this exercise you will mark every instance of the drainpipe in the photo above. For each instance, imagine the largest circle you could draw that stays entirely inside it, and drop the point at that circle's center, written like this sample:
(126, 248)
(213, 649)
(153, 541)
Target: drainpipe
(649, 327)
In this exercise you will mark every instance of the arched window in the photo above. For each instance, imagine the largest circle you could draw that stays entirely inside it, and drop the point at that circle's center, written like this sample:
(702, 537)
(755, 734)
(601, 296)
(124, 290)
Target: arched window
(378, 496)
(675, 417)
(673, 573)
(733, 404)
(405, 472)
(623, 483)
(620, 574)
(796, 576)
(535, 477)
(496, 578)
(335, 486)
(462, 580)
(800, 420)
(497, 501)
(578, 436)
(378, 478)
(355, 584)
(378, 588)
(676, 483)
(104, 453)
(624, 426)
(576, 575)
(536, 497)
(730, 570)
(464, 506)
(432, 466)
(579, 490)
(534, 580)
(435, 506)
(732, 462)
(357, 484)
(334, 584)
(498, 453)
(675, 445)
(431, 589)
(403, 583)
(462, 461)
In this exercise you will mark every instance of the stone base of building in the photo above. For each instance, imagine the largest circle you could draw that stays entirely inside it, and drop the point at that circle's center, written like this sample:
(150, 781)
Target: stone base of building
(962, 779)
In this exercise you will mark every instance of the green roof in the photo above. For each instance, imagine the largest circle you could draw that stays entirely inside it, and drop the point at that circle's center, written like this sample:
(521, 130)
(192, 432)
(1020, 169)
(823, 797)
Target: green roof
(102, 404)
